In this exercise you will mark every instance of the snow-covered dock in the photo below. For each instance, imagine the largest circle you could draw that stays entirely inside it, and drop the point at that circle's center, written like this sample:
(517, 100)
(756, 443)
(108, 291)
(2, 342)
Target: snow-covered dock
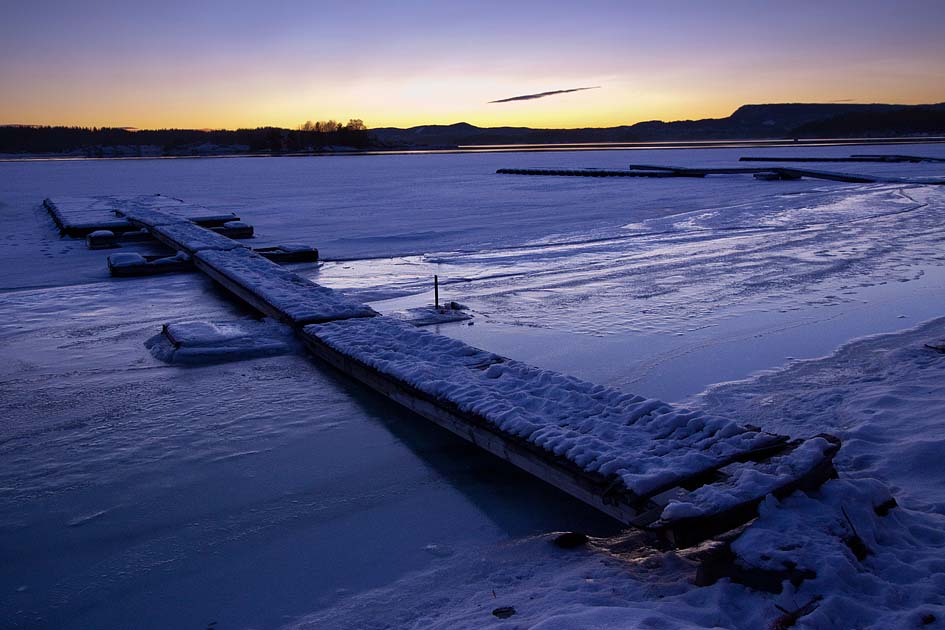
(686, 475)
(80, 216)
(646, 170)
(648, 464)
(271, 289)
(275, 291)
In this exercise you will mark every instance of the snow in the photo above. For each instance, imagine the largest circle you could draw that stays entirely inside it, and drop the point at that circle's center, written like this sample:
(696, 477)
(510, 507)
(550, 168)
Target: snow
(271, 492)
(104, 210)
(645, 443)
(297, 298)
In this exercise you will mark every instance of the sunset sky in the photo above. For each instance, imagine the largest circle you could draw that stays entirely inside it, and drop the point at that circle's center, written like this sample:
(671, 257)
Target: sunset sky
(242, 64)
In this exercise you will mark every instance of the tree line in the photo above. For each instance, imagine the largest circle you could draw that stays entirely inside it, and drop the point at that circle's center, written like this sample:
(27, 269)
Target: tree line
(94, 141)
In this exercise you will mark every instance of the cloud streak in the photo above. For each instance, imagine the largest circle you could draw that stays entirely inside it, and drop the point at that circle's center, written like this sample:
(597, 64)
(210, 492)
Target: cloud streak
(528, 97)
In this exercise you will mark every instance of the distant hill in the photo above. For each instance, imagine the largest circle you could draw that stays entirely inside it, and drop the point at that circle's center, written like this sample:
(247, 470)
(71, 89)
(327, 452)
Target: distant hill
(786, 120)
(748, 122)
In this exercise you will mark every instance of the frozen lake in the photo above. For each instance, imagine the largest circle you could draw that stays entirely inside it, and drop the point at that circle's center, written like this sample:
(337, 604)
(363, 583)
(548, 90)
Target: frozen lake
(133, 493)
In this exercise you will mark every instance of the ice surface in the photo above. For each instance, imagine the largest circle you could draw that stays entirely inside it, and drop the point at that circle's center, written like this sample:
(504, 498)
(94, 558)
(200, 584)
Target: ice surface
(268, 490)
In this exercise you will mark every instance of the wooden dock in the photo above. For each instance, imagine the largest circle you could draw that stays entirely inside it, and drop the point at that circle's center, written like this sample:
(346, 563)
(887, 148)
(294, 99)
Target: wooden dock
(910, 159)
(684, 475)
(80, 216)
(652, 171)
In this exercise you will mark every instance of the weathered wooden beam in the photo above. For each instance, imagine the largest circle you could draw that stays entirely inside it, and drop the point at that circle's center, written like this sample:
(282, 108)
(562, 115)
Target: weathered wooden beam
(815, 159)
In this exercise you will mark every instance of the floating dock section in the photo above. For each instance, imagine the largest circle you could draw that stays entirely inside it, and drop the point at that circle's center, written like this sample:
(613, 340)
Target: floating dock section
(683, 474)
(910, 159)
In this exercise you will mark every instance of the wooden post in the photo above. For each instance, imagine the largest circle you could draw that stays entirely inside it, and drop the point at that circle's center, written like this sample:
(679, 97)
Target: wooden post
(436, 291)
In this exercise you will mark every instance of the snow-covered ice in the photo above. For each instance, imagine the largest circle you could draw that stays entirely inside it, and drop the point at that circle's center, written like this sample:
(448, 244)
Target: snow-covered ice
(271, 492)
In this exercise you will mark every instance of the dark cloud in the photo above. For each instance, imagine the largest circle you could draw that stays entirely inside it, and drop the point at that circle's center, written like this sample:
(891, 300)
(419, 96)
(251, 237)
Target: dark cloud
(528, 97)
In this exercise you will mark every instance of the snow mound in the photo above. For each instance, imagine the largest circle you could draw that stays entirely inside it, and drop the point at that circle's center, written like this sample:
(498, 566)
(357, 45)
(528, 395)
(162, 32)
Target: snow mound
(893, 578)
(750, 480)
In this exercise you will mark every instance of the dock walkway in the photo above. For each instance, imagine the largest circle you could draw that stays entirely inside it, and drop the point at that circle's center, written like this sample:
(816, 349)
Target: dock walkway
(684, 474)
(80, 216)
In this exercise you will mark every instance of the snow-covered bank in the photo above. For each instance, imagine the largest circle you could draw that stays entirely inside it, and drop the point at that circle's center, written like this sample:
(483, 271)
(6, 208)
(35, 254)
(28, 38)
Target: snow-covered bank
(884, 396)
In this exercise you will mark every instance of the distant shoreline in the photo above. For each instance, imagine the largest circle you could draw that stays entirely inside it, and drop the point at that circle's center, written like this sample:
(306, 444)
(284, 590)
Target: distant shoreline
(505, 148)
